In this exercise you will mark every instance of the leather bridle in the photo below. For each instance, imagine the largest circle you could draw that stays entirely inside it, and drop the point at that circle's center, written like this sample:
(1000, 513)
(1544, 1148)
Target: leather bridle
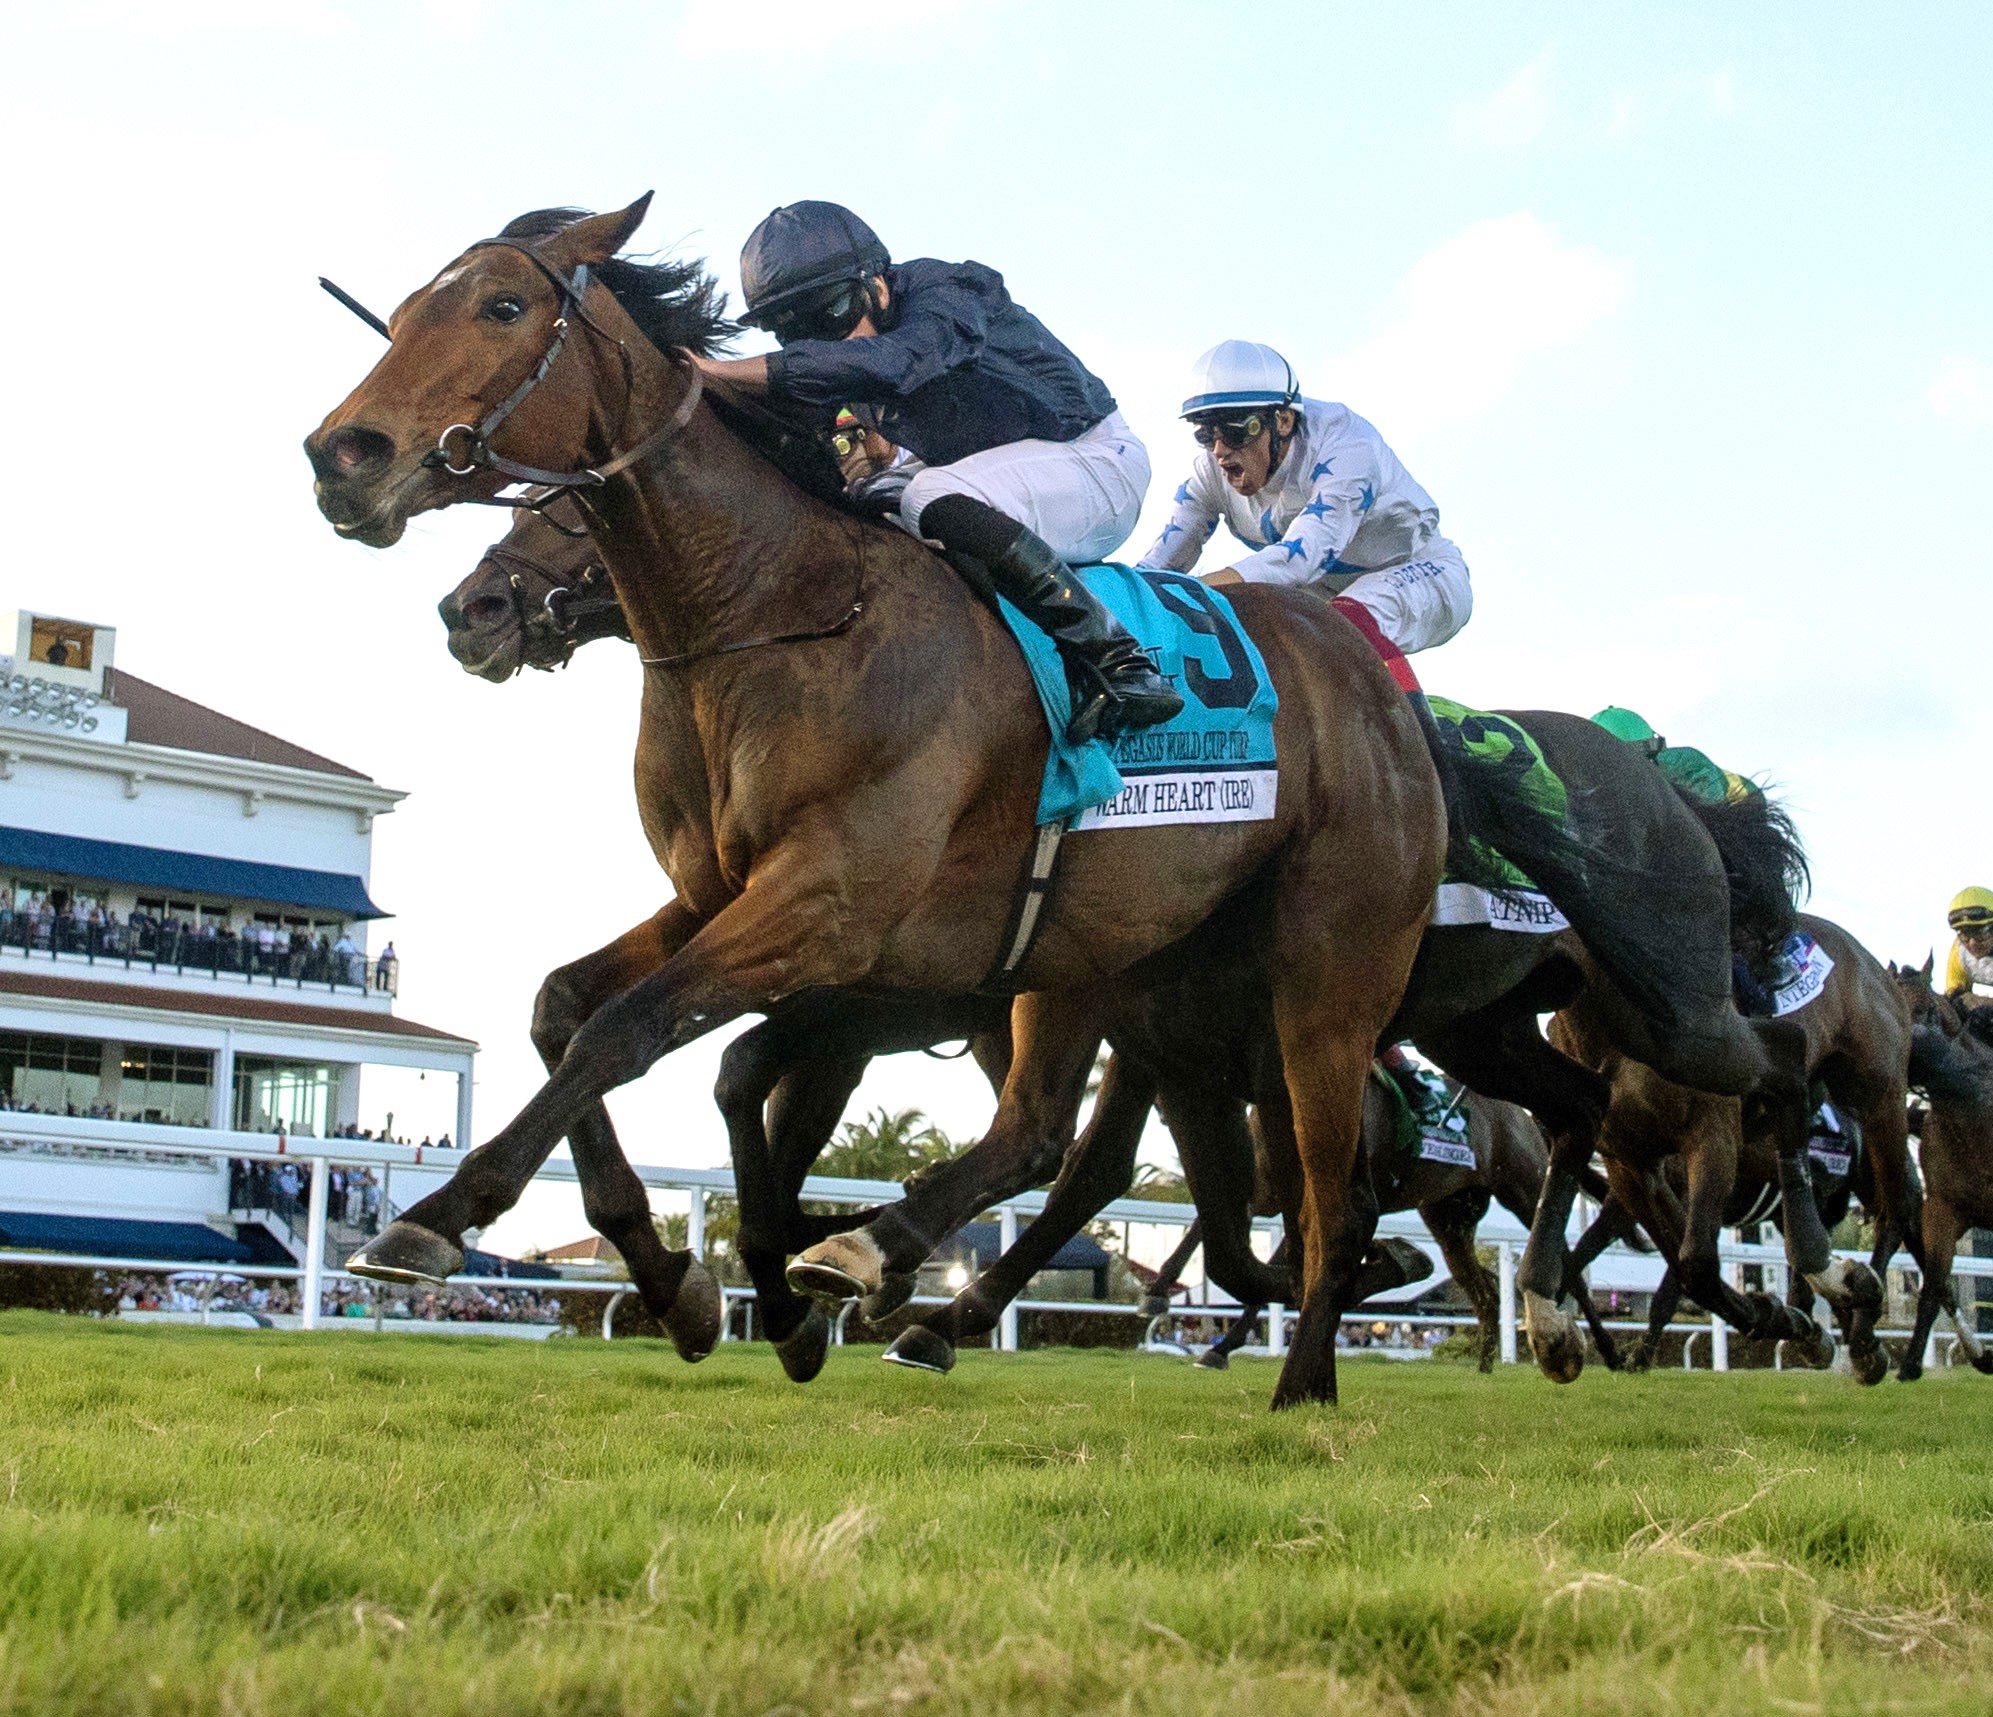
(552, 620)
(476, 453)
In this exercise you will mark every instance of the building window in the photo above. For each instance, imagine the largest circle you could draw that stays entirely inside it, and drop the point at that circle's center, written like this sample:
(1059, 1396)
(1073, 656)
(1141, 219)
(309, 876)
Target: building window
(54, 1075)
(297, 1094)
(161, 1084)
(61, 643)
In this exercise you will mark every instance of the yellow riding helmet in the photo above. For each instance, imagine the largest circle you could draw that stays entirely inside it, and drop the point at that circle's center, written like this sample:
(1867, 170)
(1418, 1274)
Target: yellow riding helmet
(1970, 908)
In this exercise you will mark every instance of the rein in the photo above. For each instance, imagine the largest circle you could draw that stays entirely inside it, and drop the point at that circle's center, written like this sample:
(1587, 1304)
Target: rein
(842, 624)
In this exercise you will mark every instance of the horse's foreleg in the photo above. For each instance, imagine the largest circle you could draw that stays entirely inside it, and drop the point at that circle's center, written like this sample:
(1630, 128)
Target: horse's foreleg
(1710, 1153)
(1157, 1300)
(426, 1243)
(793, 930)
(766, 1177)
(1096, 1170)
(1942, 1229)
(1056, 1035)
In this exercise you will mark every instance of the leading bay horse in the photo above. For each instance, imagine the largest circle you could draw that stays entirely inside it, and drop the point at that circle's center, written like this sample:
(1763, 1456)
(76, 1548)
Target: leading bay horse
(840, 754)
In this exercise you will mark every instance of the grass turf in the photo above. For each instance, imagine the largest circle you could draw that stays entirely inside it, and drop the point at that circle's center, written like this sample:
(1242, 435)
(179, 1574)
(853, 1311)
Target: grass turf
(342, 1522)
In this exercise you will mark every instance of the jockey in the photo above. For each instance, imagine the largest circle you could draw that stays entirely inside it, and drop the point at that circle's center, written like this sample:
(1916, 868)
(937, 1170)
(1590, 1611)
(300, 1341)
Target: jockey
(991, 438)
(1970, 961)
(1695, 772)
(1318, 497)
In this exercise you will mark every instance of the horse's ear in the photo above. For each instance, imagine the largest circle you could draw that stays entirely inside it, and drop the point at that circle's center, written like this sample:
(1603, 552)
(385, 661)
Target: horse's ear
(599, 237)
(1930, 963)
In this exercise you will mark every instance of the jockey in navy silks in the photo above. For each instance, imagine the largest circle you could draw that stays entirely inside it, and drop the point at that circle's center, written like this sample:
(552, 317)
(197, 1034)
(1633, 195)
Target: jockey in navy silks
(1314, 493)
(986, 434)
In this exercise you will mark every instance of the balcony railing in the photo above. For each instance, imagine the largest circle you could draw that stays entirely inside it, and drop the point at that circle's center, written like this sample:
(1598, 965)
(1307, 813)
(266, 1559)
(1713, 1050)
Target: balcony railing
(198, 952)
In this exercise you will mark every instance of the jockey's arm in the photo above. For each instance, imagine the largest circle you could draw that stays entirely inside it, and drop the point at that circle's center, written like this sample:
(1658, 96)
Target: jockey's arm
(1316, 536)
(941, 328)
(1198, 508)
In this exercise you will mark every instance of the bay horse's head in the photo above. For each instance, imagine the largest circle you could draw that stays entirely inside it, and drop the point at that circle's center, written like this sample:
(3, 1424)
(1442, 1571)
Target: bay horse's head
(482, 346)
(533, 598)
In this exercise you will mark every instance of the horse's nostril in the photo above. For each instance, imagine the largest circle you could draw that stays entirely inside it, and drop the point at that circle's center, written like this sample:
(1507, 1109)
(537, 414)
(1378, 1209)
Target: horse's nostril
(484, 611)
(354, 452)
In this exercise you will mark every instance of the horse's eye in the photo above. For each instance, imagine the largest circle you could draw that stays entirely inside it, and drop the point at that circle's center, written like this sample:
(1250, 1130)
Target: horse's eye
(505, 308)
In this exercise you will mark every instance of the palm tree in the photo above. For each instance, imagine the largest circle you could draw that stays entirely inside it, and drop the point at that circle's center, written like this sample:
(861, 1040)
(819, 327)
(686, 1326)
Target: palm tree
(886, 1145)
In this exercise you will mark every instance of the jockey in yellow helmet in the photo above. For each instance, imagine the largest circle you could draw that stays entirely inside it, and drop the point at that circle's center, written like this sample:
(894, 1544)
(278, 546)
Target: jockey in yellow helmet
(1971, 959)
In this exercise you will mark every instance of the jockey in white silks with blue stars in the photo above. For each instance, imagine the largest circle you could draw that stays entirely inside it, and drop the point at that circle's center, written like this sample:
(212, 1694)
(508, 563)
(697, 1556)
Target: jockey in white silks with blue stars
(1314, 492)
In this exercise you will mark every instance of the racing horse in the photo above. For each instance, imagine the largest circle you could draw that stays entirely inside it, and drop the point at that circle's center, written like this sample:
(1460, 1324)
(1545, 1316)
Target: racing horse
(1953, 1067)
(1857, 1037)
(840, 754)
(497, 615)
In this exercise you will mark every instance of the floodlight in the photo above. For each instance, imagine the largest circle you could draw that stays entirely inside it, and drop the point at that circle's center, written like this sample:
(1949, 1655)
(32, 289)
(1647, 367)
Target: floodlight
(957, 1277)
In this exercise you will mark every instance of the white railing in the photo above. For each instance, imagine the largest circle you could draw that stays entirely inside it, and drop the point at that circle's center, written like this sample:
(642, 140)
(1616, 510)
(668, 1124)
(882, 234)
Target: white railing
(1498, 1227)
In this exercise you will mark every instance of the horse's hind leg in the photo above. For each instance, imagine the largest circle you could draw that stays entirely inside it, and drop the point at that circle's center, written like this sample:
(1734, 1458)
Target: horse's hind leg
(1501, 1053)
(1057, 1033)
(1096, 1170)
(1453, 1221)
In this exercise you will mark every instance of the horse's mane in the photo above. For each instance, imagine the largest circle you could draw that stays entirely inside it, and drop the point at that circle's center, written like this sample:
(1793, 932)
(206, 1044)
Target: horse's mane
(679, 305)
(675, 303)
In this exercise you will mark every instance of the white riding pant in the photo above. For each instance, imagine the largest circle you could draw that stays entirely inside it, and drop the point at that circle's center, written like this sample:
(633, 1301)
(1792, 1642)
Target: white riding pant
(1421, 602)
(1082, 496)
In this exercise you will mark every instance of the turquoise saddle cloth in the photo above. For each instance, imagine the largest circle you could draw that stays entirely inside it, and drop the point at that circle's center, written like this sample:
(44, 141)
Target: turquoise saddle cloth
(1212, 763)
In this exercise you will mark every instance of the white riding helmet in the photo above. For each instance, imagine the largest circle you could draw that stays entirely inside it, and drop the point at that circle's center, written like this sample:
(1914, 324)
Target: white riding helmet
(1239, 373)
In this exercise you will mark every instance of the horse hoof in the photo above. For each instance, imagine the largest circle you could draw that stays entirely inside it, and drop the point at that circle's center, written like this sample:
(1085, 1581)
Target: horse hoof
(1639, 1357)
(1211, 1359)
(407, 1253)
(922, 1349)
(1155, 1306)
(895, 1289)
(1871, 1364)
(1910, 1370)
(1983, 1364)
(844, 1267)
(804, 1349)
(1554, 1340)
(1849, 1286)
(696, 1316)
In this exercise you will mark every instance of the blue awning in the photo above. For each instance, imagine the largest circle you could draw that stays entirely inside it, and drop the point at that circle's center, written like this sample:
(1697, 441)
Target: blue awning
(187, 874)
(118, 1237)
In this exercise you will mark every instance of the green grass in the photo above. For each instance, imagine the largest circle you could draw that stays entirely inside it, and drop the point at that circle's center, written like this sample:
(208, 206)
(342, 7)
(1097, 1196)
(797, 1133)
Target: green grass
(220, 1521)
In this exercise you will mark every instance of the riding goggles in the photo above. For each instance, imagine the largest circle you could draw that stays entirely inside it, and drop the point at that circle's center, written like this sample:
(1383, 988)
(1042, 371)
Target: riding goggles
(1235, 432)
(1974, 920)
(827, 315)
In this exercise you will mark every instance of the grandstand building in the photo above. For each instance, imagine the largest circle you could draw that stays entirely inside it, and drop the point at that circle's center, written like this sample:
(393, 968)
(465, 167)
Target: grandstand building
(187, 939)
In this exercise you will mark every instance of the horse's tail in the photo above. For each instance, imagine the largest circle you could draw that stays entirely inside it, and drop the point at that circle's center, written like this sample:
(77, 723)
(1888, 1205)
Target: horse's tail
(1487, 809)
(1765, 865)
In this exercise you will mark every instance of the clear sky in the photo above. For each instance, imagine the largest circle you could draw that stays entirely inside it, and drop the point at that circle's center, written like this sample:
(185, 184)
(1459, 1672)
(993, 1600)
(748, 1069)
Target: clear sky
(1682, 313)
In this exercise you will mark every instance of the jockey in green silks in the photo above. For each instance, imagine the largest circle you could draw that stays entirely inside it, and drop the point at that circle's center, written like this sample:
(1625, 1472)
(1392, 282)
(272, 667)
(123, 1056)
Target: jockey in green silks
(1692, 770)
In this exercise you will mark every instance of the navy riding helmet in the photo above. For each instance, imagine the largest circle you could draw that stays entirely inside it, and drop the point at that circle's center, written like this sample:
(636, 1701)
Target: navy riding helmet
(800, 249)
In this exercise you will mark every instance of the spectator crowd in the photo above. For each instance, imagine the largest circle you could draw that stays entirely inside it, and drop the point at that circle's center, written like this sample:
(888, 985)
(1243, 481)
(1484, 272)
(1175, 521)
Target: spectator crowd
(463, 1304)
(257, 949)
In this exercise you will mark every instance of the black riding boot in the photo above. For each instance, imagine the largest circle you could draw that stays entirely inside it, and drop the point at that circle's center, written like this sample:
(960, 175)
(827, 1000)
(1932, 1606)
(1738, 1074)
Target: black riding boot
(1114, 684)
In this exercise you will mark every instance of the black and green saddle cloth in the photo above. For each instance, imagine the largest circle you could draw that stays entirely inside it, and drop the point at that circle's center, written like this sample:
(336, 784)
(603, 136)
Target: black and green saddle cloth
(1516, 903)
